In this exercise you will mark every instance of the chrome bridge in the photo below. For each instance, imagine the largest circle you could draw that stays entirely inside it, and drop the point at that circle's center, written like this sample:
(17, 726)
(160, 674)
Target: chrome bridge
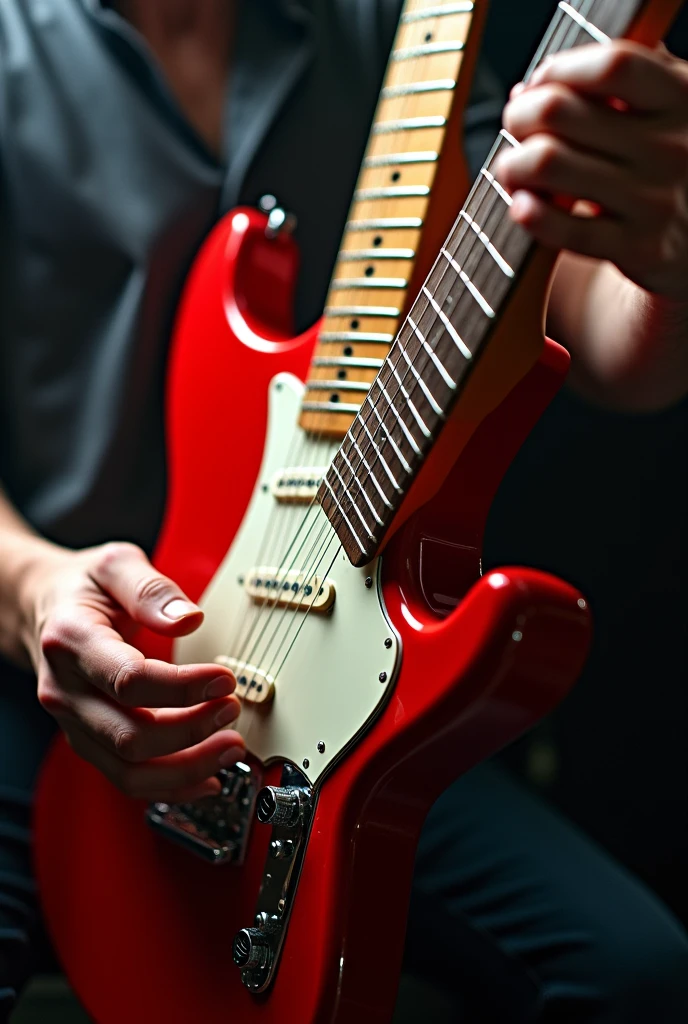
(215, 828)
(289, 809)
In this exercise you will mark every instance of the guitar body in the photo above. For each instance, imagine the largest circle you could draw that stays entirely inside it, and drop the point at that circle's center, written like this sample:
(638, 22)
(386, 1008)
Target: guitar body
(144, 929)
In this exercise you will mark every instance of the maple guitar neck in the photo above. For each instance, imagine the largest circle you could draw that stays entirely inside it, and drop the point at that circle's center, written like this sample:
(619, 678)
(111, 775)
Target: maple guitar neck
(406, 198)
(475, 277)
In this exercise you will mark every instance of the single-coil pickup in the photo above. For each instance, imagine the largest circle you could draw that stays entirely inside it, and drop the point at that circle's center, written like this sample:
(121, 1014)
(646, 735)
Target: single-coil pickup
(253, 685)
(298, 590)
(299, 485)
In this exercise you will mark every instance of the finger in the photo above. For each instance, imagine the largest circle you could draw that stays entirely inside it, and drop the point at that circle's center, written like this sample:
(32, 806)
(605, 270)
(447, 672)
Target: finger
(599, 237)
(138, 734)
(95, 653)
(150, 598)
(546, 164)
(163, 777)
(622, 70)
(658, 157)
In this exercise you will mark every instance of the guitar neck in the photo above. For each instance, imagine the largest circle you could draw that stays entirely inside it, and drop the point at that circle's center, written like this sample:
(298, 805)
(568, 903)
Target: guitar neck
(415, 134)
(476, 273)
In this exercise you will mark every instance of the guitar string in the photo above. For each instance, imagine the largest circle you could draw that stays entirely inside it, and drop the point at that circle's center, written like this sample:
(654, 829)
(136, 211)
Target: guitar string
(313, 572)
(572, 28)
(403, 109)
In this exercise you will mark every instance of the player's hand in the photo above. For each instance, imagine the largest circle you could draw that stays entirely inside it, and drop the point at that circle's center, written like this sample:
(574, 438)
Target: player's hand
(152, 728)
(607, 124)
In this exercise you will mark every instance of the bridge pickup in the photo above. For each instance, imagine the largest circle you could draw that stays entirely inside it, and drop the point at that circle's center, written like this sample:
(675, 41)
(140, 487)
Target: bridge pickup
(297, 590)
(253, 684)
(297, 485)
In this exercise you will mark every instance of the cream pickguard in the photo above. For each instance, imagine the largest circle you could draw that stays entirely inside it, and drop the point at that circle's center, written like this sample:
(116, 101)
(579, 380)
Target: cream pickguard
(329, 671)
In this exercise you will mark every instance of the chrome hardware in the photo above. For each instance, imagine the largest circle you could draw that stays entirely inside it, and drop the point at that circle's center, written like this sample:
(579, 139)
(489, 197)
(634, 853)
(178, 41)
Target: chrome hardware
(278, 805)
(289, 808)
(251, 950)
(215, 828)
(278, 219)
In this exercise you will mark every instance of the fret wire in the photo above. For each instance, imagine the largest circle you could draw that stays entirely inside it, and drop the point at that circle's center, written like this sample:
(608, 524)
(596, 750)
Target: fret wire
(407, 395)
(353, 533)
(438, 11)
(364, 461)
(449, 381)
(592, 30)
(393, 480)
(454, 334)
(351, 499)
(480, 299)
(473, 231)
(361, 489)
(496, 256)
(397, 415)
(436, 408)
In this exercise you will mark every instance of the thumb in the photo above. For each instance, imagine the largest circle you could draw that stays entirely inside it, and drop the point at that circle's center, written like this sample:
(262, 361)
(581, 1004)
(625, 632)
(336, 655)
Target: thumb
(148, 597)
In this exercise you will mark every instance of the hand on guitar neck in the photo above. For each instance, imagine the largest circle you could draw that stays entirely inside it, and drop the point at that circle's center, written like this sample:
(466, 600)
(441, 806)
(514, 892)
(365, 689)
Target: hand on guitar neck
(609, 125)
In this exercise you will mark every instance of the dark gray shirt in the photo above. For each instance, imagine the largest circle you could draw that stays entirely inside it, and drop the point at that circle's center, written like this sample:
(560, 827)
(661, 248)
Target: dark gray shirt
(106, 192)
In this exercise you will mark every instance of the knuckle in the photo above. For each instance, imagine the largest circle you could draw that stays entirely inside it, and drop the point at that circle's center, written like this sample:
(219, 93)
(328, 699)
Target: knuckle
(151, 588)
(50, 697)
(61, 633)
(109, 555)
(127, 744)
(546, 157)
(554, 104)
(127, 675)
(617, 63)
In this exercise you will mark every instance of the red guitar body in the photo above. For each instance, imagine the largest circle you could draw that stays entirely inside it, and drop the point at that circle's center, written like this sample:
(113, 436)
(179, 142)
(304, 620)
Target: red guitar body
(144, 930)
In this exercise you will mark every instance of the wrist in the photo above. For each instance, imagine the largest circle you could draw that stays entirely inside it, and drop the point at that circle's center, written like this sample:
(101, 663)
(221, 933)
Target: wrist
(28, 561)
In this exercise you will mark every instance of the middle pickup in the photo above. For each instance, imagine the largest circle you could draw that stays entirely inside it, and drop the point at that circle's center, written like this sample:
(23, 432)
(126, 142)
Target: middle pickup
(295, 589)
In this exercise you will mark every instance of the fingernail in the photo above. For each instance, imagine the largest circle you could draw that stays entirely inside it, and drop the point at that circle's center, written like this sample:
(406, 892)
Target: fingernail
(177, 608)
(226, 715)
(221, 686)
(231, 756)
(517, 89)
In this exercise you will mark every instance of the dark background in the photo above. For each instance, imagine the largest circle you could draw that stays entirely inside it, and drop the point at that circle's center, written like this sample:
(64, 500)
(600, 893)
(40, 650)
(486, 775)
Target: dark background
(602, 500)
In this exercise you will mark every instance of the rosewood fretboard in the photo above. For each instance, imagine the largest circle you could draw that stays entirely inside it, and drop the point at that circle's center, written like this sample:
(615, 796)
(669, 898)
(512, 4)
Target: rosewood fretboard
(447, 328)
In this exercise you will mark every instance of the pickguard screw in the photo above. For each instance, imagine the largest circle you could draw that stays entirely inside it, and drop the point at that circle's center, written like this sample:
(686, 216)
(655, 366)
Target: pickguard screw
(582, 603)
(278, 386)
(517, 635)
(264, 488)
(388, 642)
(383, 677)
(306, 763)
(321, 747)
(369, 582)
(240, 580)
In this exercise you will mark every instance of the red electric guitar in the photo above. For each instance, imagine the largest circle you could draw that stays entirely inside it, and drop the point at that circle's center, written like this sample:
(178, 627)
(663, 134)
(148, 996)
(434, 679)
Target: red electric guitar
(374, 662)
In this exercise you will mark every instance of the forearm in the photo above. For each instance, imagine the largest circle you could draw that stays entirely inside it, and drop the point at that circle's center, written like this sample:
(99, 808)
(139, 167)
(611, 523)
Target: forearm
(629, 348)
(20, 550)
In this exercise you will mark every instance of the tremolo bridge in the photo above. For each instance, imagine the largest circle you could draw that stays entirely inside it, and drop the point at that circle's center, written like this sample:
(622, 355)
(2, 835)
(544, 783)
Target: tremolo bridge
(217, 829)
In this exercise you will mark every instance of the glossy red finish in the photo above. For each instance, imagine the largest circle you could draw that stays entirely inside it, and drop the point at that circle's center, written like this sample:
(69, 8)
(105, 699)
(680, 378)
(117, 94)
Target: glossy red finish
(144, 930)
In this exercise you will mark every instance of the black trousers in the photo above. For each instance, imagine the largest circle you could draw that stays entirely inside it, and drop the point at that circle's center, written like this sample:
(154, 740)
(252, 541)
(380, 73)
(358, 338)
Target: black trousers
(514, 911)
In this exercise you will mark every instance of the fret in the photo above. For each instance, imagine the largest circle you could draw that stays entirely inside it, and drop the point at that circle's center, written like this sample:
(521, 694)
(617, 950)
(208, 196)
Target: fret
(384, 223)
(436, 408)
(345, 517)
(426, 156)
(453, 333)
(482, 302)
(437, 11)
(391, 192)
(592, 30)
(352, 255)
(496, 256)
(348, 361)
(509, 138)
(394, 193)
(409, 124)
(371, 338)
(417, 88)
(369, 468)
(378, 452)
(315, 384)
(496, 186)
(433, 355)
(399, 421)
(409, 402)
(347, 407)
(426, 50)
(390, 311)
(361, 489)
(351, 499)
